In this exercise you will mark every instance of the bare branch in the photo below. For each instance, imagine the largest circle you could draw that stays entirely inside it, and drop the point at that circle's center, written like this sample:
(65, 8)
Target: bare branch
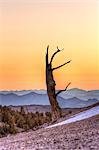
(58, 50)
(47, 48)
(47, 55)
(60, 91)
(61, 65)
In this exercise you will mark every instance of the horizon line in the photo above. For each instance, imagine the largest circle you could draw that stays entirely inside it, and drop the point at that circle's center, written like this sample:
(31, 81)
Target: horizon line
(8, 90)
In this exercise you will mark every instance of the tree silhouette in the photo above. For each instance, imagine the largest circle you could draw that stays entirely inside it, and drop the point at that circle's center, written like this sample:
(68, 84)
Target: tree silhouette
(50, 83)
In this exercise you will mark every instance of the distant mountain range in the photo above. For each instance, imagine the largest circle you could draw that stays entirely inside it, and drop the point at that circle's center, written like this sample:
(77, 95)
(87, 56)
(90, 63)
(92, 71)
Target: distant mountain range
(73, 98)
(81, 94)
(75, 92)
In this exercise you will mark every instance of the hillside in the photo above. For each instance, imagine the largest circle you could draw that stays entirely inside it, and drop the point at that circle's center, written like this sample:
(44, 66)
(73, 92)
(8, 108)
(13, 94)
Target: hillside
(83, 135)
(70, 135)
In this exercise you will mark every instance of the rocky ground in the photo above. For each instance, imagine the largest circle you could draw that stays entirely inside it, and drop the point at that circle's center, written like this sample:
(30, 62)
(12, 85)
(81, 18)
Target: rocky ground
(83, 135)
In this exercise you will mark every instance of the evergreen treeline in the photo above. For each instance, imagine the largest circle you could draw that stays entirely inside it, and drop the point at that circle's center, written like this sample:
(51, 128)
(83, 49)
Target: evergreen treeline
(12, 121)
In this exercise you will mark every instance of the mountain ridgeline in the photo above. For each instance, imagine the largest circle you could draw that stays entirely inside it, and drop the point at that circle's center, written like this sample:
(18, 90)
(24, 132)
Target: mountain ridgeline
(74, 98)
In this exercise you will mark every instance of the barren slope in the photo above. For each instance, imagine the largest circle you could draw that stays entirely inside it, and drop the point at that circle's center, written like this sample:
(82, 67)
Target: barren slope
(82, 135)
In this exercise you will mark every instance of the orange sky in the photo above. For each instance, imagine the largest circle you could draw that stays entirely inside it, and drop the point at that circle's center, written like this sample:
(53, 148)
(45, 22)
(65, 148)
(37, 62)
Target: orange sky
(28, 26)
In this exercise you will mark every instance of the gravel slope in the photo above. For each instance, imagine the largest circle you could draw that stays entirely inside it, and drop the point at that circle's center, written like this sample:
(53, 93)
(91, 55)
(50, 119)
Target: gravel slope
(82, 135)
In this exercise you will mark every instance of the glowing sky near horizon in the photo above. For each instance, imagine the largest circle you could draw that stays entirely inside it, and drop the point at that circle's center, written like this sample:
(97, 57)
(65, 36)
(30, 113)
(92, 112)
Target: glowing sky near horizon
(28, 26)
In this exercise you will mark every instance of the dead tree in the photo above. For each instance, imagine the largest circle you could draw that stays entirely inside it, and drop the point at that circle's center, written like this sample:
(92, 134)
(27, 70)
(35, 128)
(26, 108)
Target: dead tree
(50, 83)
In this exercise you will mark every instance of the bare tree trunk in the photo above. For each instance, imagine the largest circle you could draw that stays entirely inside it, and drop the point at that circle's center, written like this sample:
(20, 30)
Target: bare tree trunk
(50, 83)
(56, 110)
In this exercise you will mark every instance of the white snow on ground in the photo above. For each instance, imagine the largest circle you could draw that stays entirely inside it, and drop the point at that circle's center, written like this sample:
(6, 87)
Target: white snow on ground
(80, 116)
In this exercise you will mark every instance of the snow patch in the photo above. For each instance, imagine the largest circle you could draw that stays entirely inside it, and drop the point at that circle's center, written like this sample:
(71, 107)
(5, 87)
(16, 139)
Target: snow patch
(80, 116)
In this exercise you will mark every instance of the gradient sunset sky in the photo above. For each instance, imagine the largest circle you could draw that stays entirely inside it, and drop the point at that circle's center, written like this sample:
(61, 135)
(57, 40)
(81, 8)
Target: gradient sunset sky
(28, 26)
